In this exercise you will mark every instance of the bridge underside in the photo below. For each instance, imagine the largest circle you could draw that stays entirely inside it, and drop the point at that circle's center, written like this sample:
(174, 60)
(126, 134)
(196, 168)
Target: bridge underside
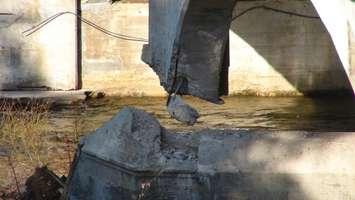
(189, 43)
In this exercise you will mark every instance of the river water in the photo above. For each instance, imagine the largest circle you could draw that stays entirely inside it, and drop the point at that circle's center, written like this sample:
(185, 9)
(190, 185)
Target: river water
(261, 113)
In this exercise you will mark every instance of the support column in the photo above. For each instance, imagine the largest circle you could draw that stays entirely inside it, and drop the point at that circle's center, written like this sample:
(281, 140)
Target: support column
(339, 18)
(352, 55)
(188, 40)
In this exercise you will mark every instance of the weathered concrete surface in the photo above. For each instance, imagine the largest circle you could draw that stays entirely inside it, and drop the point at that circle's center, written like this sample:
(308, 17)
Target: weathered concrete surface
(283, 54)
(271, 53)
(189, 39)
(352, 56)
(132, 156)
(113, 65)
(131, 139)
(47, 59)
(339, 18)
(53, 98)
(166, 19)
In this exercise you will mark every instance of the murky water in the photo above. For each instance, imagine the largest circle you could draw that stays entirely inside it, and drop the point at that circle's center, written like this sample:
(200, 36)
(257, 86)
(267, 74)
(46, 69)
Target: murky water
(286, 113)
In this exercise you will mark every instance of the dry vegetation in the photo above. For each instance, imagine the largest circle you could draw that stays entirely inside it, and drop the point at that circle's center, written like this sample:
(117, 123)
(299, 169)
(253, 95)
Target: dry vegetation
(22, 129)
(26, 142)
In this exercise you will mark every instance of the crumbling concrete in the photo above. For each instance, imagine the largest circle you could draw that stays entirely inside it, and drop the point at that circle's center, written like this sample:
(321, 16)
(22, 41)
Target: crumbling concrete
(133, 157)
(181, 111)
(190, 39)
(130, 139)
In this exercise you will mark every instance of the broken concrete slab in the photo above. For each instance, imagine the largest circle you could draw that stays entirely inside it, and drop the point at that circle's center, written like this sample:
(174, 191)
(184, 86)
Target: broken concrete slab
(130, 139)
(124, 154)
(133, 157)
(190, 39)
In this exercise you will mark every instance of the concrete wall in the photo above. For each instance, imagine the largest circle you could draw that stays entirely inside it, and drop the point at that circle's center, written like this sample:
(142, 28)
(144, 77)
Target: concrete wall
(114, 65)
(352, 56)
(276, 53)
(271, 53)
(45, 59)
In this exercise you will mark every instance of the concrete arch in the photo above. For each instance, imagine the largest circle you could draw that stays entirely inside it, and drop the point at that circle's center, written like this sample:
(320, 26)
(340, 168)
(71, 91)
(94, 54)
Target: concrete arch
(339, 18)
(276, 53)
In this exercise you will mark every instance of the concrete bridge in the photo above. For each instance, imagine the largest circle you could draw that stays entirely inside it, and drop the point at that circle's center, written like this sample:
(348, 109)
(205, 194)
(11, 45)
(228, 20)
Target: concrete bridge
(270, 53)
(190, 39)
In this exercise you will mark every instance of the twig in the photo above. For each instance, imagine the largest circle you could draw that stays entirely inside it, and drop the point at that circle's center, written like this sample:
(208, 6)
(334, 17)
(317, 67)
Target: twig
(68, 151)
(14, 174)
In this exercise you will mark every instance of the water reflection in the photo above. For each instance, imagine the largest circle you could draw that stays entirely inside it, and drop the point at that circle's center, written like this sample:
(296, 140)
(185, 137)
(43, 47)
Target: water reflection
(281, 113)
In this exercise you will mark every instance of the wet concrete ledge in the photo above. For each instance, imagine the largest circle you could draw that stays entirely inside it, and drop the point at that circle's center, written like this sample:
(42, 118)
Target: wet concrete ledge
(56, 97)
(43, 94)
(132, 156)
(52, 98)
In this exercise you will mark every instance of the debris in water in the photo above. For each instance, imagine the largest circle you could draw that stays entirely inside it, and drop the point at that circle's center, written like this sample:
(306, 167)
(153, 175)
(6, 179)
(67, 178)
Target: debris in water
(181, 111)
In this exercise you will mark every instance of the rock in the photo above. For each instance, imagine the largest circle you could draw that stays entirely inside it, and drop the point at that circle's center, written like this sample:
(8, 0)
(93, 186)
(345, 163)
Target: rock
(43, 185)
(4, 152)
(181, 111)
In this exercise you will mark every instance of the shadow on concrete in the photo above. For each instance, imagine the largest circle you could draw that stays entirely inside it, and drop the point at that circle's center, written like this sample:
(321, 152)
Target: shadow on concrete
(285, 165)
(300, 49)
(20, 59)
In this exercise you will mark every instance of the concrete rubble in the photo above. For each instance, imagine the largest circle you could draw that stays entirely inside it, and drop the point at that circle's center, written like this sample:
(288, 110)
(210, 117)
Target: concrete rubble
(134, 157)
(182, 111)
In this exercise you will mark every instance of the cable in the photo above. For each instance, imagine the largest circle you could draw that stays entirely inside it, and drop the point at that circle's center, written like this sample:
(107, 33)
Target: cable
(275, 10)
(116, 35)
(37, 27)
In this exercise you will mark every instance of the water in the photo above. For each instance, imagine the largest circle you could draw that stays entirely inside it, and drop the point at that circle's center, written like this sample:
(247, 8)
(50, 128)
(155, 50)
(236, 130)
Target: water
(278, 113)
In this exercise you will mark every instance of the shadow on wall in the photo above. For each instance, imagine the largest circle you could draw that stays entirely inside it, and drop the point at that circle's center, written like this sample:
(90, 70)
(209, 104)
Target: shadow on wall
(20, 58)
(299, 49)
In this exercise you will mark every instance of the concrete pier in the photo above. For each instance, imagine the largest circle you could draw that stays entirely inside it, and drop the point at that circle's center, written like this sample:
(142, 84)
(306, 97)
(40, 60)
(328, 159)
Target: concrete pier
(338, 17)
